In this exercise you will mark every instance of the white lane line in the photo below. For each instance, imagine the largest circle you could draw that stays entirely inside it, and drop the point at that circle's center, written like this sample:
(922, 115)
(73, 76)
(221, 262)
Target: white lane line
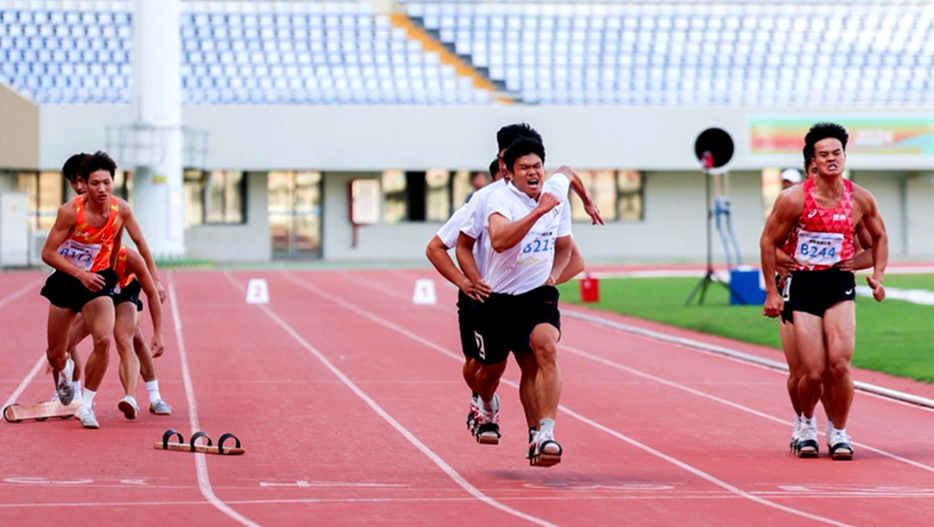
(652, 336)
(19, 292)
(714, 495)
(666, 382)
(29, 377)
(678, 463)
(204, 481)
(430, 454)
(887, 394)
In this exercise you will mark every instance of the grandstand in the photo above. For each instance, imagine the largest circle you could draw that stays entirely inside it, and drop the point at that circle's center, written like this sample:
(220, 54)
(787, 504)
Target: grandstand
(298, 98)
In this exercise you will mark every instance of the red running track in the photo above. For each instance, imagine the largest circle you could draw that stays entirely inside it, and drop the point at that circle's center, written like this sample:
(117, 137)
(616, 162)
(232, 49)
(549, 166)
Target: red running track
(350, 404)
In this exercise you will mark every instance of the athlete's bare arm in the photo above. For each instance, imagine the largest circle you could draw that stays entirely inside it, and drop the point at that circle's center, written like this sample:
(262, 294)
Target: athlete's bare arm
(872, 220)
(786, 210)
(575, 265)
(562, 258)
(437, 254)
(64, 221)
(464, 254)
(136, 265)
(505, 234)
(862, 243)
(136, 234)
(577, 185)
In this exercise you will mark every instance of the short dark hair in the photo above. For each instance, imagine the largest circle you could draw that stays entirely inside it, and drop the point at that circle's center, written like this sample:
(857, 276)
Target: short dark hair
(494, 168)
(72, 168)
(508, 134)
(821, 131)
(98, 161)
(522, 147)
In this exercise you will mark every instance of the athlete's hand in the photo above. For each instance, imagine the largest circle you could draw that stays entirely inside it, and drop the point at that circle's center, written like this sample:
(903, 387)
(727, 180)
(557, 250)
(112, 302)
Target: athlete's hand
(784, 261)
(594, 213)
(91, 281)
(846, 265)
(878, 290)
(547, 202)
(157, 346)
(160, 290)
(773, 304)
(481, 291)
(551, 280)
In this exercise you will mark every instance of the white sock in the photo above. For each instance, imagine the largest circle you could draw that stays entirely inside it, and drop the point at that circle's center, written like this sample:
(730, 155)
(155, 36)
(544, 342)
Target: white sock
(489, 406)
(87, 398)
(546, 426)
(77, 385)
(798, 419)
(839, 430)
(153, 388)
(812, 422)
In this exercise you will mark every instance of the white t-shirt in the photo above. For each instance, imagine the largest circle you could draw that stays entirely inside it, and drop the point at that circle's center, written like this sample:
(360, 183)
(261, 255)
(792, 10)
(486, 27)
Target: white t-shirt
(526, 265)
(472, 223)
(449, 232)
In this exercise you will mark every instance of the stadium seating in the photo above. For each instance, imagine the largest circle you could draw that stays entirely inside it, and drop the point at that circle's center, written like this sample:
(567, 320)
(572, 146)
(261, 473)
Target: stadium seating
(244, 53)
(737, 53)
(872, 53)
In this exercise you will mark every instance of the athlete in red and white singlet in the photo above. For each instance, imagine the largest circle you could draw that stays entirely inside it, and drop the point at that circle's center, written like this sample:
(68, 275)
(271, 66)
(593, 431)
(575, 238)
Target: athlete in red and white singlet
(820, 293)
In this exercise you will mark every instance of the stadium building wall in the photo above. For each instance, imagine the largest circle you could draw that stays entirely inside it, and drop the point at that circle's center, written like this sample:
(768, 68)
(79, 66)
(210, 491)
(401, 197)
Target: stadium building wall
(345, 142)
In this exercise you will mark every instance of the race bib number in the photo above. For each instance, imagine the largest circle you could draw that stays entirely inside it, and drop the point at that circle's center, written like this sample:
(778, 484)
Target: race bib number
(539, 250)
(79, 254)
(819, 248)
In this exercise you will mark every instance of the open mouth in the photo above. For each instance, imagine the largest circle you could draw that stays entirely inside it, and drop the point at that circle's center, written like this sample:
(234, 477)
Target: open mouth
(533, 182)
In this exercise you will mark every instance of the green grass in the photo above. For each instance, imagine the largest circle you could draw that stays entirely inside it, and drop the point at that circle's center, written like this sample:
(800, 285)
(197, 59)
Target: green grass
(894, 337)
(904, 281)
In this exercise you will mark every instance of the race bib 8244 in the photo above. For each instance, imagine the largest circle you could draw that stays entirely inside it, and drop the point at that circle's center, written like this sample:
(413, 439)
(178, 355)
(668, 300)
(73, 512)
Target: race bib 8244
(819, 248)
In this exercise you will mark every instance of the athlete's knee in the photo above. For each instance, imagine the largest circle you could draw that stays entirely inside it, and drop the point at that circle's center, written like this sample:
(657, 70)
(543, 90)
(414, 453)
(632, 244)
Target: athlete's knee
(839, 368)
(546, 354)
(813, 375)
(102, 342)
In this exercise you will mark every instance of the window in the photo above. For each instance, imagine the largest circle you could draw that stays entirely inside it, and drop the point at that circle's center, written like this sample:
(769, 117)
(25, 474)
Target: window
(46, 193)
(394, 206)
(618, 195)
(437, 195)
(460, 188)
(630, 186)
(215, 197)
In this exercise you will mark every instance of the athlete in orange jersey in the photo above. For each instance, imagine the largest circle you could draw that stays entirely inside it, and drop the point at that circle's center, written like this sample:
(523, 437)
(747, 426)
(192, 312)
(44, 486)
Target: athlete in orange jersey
(821, 295)
(80, 249)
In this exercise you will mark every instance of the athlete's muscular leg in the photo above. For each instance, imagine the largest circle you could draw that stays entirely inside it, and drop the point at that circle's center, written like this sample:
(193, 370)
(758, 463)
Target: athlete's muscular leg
(809, 337)
(529, 368)
(99, 315)
(786, 331)
(79, 331)
(840, 331)
(488, 376)
(124, 328)
(60, 320)
(147, 368)
(548, 379)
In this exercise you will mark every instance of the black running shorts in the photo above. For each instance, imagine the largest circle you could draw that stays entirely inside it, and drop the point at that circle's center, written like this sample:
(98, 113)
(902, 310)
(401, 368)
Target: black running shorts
(787, 315)
(505, 322)
(67, 292)
(466, 311)
(130, 293)
(815, 292)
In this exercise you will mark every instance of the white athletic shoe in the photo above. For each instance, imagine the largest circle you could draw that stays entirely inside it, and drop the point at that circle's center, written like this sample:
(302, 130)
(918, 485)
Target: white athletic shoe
(840, 447)
(487, 423)
(85, 414)
(544, 450)
(828, 431)
(129, 407)
(160, 407)
(795, 436)
(807, 441)
(64, 388)
(54, 398)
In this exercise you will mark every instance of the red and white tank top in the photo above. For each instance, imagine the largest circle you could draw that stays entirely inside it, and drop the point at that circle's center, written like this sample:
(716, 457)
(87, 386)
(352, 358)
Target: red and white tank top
(823, 237)
(88, 247)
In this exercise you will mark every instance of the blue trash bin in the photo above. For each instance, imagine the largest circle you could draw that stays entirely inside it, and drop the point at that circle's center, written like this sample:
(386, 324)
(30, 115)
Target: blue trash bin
(745, 288)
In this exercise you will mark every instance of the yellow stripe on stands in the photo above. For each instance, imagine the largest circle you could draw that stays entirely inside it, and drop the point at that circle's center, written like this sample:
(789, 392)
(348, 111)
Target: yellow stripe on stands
(429, 44)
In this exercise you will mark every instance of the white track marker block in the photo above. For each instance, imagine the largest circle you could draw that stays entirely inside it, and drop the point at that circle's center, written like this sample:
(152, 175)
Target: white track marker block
(257, 291)
(424, 292)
